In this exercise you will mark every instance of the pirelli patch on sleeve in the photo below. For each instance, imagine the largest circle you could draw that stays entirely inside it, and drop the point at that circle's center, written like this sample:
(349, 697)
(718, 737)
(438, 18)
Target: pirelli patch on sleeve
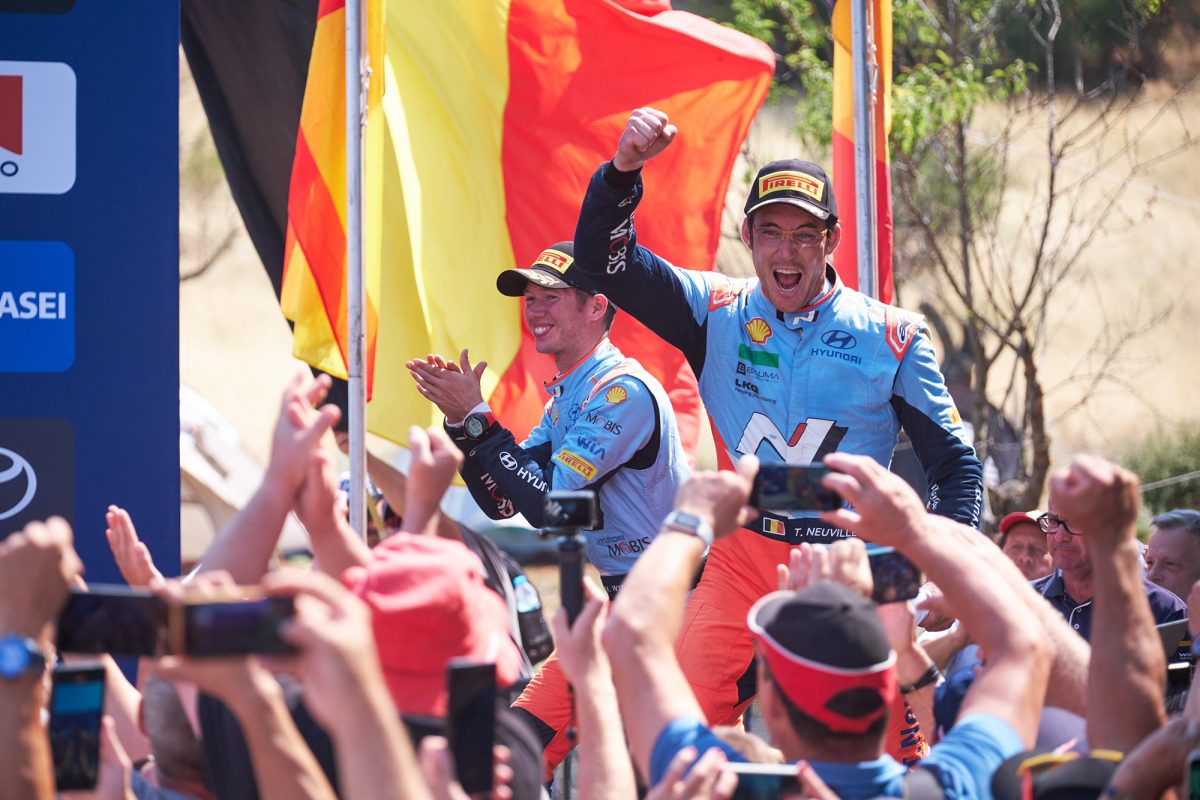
(576, 463)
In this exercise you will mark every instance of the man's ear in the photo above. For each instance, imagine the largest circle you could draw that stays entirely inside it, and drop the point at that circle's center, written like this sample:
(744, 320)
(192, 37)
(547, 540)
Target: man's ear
(747, 239)
(600, 306)
(835, 236)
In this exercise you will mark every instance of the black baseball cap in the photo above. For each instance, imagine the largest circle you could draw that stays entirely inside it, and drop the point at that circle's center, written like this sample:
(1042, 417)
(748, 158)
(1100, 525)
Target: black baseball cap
(1053, 776)
(795, 182)
(554, 268)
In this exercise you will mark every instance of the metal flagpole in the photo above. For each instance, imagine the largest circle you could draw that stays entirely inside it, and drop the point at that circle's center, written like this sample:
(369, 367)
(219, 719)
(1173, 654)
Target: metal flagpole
(864, 149)
(357, 75)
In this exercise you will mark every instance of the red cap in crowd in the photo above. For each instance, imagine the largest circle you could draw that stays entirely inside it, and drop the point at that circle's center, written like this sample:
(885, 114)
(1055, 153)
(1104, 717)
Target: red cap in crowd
(429, 604)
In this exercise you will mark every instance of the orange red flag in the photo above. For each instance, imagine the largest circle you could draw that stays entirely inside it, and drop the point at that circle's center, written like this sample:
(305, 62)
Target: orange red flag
(496, 114)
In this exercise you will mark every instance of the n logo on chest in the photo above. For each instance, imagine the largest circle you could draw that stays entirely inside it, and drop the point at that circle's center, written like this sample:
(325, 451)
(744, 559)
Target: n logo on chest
(810, 441)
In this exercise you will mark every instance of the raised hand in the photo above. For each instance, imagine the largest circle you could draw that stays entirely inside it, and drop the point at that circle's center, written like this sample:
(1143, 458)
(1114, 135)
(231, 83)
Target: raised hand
(886, 509)
(453, 387)
(647, 133)
(704, 781)
(301, 424)
(131, 554)
(844, 562)
(435, 462)
(720, 498)
(37, 565)
(1097, 498)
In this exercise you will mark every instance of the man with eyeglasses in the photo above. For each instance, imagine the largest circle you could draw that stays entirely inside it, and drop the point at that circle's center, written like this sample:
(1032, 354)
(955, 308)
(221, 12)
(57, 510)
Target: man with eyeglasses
(792, 365)
(1069, 587)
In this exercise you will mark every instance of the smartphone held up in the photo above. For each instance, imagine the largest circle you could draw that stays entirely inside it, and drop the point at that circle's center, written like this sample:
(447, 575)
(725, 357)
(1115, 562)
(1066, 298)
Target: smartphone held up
(793, 487)
(76, 712)
(132, 622)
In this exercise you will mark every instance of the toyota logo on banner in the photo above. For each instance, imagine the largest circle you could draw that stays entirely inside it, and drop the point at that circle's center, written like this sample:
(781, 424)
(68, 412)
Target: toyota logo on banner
(20, 470)
(839, 340)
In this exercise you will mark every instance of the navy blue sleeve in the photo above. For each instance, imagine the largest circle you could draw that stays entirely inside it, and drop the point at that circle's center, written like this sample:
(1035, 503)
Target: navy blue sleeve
(506, 478)
(671, 302)
(927, 414)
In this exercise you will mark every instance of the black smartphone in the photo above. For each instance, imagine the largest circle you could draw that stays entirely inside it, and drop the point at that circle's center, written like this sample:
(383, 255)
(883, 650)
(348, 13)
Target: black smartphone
(236, 628)
(113, 619)
(764, 781)
(792, 487)
(572, 510)
(896, 578)
(76, 708)
(472, 721)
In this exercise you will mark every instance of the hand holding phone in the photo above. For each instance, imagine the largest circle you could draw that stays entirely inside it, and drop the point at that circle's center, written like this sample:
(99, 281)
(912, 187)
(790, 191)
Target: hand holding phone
(76, 712)
(792, 487)
(135, 622)
(471, 726)
(764, 781)
(895, 577)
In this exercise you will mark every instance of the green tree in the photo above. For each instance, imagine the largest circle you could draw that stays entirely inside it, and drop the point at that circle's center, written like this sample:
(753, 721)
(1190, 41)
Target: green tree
(1168, 463)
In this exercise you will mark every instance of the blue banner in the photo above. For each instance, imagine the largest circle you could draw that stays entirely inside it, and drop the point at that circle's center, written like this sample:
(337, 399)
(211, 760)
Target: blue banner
(89, 270)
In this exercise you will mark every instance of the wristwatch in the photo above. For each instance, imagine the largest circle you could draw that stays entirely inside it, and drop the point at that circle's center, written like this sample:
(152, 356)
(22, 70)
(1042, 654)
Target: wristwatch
(929, 677)
(475, 426)
(684, 522)
(19, 656)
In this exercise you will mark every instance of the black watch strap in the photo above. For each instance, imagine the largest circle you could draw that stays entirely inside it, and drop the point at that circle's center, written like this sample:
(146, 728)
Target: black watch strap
(928, 678)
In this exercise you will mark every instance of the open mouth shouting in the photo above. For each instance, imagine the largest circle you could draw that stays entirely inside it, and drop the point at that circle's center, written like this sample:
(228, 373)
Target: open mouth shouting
(788, 279)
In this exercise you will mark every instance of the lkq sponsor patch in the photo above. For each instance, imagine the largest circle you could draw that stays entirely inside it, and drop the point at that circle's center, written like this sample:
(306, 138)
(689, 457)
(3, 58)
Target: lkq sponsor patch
(37, 307)
(37, 127)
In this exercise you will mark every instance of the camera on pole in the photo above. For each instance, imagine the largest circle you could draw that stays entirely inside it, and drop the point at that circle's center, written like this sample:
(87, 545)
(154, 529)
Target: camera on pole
(566, 514)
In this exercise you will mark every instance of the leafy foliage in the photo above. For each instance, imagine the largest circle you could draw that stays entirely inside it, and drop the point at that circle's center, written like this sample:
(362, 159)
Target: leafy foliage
(1168, 453)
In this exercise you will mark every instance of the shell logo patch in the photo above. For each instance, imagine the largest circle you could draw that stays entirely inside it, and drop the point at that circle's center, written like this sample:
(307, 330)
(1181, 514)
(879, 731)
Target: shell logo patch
(554, 259)
(759, 330)
(616, 394)
(793, 181)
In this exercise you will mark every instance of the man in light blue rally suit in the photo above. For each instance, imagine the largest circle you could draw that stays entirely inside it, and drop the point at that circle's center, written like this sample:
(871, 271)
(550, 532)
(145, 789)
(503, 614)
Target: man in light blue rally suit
(608, 427)
(792, 365)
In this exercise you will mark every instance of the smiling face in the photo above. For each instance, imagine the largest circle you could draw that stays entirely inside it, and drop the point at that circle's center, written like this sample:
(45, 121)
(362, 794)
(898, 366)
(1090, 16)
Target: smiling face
(791, 275)
(1068, 551)
(565, 323)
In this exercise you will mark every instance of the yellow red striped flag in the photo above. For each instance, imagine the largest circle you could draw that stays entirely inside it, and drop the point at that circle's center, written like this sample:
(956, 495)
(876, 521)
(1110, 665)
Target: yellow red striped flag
(313, 293)
(845, 258)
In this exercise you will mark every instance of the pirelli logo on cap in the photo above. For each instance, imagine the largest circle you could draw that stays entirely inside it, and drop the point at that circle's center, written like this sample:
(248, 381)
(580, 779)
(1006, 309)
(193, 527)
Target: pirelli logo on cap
(576, 463)
(554, 259)
(791, 181)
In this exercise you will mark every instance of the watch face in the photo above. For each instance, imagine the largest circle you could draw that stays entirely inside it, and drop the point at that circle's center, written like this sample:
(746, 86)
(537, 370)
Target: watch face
(474, 426)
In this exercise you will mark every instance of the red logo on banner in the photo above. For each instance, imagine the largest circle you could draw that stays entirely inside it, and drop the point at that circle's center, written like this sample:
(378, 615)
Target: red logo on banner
(10, 113)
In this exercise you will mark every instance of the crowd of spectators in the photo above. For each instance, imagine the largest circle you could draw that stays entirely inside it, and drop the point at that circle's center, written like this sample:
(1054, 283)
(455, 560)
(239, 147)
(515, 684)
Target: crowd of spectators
(1051, 705)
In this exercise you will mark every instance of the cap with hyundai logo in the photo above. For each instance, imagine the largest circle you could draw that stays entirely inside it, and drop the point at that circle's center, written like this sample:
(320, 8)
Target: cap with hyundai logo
(798, 183)
(554, 268)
